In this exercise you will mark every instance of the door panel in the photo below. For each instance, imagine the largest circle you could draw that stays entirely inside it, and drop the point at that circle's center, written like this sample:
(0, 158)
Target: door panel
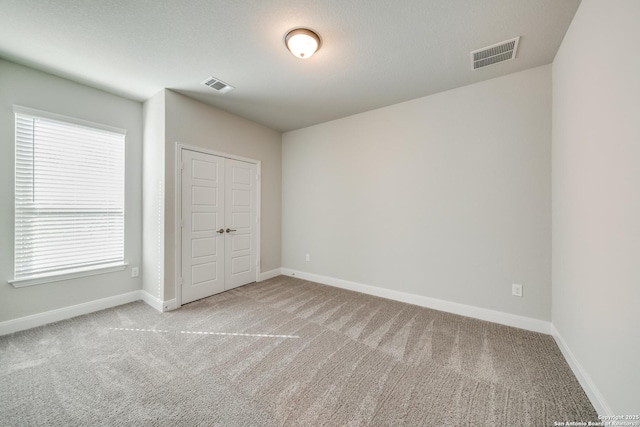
(203, 265)
(241, 216)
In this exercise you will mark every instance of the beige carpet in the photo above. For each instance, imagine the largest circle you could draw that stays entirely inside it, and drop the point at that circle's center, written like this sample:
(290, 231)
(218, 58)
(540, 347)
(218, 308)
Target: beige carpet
(285, 352)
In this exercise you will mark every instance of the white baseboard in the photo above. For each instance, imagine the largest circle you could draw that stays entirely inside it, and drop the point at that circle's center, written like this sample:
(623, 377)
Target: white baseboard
(151, 300)
(157, 303)
(436, 304)
(266, 275)
(594, 395)
(169, 305)
(28, 322)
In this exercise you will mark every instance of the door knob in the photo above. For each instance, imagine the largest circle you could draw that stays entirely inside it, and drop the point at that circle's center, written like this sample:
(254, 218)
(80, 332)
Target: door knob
(229, 230)
(221, 231)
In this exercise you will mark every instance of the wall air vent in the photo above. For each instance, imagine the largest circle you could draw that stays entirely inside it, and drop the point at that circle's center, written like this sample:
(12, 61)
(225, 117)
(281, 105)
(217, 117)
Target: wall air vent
(217, 85)
(490, 55)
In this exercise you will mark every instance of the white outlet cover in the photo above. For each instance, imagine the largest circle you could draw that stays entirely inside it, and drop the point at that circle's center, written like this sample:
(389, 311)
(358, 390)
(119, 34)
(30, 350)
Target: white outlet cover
(516, 289)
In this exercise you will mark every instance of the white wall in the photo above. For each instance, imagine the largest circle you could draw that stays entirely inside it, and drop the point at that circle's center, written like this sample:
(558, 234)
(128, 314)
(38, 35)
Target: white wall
(596, 198)
(446, 196)
(153, 195)
(194, 123)
(29, 88)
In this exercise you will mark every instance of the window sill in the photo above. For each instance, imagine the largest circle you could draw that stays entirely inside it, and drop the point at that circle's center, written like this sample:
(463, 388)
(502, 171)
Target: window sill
(68, 274)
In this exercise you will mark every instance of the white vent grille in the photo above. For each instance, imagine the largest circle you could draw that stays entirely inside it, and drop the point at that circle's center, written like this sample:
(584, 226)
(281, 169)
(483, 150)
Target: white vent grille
(490, 55)
(217, 85)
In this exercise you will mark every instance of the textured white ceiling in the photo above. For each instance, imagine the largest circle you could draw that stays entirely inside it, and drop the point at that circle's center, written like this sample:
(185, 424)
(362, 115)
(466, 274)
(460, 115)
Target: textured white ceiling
(374, 53)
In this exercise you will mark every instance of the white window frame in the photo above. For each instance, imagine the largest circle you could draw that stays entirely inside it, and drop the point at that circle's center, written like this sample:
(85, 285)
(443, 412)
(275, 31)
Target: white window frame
(80, 271)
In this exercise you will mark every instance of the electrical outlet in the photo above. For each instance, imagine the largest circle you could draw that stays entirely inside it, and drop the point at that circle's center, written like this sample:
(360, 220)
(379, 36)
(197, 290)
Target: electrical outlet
(135, 271)
(308, 257)
(516, 289)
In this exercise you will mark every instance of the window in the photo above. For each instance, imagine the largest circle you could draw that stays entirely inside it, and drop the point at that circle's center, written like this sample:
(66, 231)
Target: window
(69, 198)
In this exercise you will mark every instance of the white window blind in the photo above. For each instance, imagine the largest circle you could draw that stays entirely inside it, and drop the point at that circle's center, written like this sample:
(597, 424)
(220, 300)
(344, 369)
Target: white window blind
(69, 196)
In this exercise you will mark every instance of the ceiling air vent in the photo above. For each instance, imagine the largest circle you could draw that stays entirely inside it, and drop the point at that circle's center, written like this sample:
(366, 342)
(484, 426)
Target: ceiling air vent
(217, 85)
(490, 55)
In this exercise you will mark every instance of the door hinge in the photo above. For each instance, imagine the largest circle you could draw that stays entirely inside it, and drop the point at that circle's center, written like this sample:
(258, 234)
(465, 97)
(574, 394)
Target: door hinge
(181, 166)
(182, 223)
(257, 177)
(181, 281)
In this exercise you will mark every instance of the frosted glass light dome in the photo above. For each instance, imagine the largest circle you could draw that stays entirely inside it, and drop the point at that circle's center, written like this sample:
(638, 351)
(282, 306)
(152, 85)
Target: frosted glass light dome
(303, 43)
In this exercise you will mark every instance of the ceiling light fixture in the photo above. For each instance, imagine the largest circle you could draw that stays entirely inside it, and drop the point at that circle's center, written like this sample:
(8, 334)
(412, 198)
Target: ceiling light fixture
(302, 42)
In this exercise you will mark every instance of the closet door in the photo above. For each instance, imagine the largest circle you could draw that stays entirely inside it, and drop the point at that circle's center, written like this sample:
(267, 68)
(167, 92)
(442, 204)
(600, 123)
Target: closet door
(241, 220)
(219, 224)
(203, 225)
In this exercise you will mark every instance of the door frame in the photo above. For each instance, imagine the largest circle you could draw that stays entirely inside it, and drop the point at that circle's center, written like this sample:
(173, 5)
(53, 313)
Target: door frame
(178, 208)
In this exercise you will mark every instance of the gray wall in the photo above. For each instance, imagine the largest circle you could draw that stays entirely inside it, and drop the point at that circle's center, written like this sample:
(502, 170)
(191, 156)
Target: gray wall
(596, 197)
(446, 196)
(194, 123)
(34, 89)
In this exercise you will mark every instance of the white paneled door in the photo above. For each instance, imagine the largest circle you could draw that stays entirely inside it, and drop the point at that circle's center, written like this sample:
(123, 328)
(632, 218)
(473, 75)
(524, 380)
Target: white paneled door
(240, 214)
(219, 227)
